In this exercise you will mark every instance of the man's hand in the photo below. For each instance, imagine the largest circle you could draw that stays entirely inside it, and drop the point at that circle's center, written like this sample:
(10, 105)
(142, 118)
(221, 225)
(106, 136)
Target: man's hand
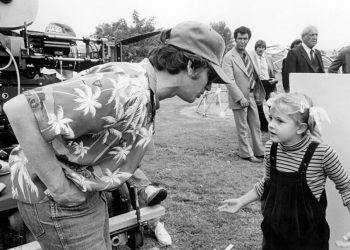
(67, 193)
(273, 81)
(244, 103)
(41, 156)
(231, 206)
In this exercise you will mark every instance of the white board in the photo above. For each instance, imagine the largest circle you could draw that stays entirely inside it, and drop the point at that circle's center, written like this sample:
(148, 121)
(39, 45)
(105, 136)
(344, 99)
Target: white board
(332, 92)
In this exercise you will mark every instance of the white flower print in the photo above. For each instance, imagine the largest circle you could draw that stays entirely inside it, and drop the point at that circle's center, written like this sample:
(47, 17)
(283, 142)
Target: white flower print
(146, 136)
(88, 100)
(114, 179)
(125, 126)
(117, 134)
(18, 164)
(79, 180)
(80, 149)
(60, 124)
(110, 120)
(120, 153)
(14, 192)
(106, 132)
(114, 95)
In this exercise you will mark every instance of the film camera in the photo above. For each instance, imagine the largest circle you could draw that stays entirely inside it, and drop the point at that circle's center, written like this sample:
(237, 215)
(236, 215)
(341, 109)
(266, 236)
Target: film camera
(24, 53)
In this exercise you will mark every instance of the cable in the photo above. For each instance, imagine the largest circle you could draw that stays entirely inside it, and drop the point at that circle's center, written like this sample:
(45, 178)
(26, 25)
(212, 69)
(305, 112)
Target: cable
(8, 65)
(61, 69)
(17, 71)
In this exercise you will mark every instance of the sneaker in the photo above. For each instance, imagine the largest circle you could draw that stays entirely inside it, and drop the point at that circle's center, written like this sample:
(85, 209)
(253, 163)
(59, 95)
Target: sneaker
(153, 195)
(162, 234)
(4, 168)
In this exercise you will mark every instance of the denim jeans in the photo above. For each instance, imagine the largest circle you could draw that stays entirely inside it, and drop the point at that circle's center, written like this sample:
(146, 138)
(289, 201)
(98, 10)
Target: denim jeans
(81, 227)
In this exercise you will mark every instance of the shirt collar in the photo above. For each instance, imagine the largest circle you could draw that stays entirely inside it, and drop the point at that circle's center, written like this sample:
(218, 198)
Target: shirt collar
(151, 73)
(240, 52)
(307, 49)
(152, 78)
(304, 142)
(263, 55)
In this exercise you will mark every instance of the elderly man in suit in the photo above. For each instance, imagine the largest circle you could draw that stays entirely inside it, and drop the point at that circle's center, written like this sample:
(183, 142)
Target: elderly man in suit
(342, 60)
(245, 91)
(304, 58)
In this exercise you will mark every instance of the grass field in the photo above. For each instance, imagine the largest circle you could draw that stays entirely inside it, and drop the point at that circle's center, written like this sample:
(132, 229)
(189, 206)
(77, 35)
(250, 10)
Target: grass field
(196, 161)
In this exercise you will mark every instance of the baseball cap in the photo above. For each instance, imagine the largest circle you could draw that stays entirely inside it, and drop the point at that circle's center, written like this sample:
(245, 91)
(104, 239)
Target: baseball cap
(200, 39)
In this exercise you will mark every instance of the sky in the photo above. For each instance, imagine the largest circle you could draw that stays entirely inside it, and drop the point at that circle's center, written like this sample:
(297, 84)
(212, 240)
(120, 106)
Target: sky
(275, 21)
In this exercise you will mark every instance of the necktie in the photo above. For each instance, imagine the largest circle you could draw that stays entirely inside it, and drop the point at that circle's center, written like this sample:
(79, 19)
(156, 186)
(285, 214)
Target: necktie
(312, 56)
(249, 68)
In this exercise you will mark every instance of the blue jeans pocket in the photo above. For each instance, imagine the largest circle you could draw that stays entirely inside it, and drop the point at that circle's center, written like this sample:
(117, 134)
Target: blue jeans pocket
(63, 211)
(30, 211)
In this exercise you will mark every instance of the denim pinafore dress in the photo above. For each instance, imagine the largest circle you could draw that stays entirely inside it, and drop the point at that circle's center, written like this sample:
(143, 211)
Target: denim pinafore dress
(293, 218)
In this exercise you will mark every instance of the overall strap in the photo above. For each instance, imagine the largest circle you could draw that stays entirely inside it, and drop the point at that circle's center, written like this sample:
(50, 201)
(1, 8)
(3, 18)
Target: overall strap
(153, 105)
(308, 155)
(273, 154)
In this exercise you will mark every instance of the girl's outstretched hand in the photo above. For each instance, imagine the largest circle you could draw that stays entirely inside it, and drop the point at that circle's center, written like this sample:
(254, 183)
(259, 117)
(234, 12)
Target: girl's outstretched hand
(345, 242)
(230, 206)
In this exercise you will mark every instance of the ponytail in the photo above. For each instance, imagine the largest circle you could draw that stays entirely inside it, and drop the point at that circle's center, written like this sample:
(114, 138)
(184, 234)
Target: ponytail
(317, 115)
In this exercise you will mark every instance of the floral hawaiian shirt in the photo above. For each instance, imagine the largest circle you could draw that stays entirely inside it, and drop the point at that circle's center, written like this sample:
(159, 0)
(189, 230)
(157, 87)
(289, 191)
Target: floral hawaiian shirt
(96, 122)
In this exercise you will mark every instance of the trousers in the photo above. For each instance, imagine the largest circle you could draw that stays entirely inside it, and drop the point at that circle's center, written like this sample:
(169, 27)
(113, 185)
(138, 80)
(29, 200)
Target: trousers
(245, 119)
(81, 227)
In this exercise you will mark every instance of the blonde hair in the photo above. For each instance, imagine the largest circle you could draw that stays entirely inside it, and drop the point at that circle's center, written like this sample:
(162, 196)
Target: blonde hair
(300, 108)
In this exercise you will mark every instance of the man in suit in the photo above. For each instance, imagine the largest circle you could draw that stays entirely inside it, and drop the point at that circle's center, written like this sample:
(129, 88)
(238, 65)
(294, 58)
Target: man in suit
(304, 58)
(244, 92)
(266, 72)
(342, 60)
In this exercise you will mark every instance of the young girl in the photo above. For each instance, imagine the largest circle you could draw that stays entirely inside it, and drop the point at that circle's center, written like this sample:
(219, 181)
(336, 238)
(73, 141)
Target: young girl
(292, 191)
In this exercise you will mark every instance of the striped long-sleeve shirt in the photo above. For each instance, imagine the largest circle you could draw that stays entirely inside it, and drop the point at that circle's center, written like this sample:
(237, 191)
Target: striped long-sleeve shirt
(324, 163)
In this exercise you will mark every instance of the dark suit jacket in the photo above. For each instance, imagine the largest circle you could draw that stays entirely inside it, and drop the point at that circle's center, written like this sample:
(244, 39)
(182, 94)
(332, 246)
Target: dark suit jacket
(342, 60)
(298, 61)
(235, 69)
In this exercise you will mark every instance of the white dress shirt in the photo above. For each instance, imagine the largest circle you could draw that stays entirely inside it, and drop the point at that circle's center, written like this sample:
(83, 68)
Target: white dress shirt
(307, 49)
(263, 67)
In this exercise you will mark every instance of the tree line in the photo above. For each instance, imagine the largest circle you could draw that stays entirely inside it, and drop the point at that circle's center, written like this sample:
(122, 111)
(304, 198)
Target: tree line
(135, 52)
